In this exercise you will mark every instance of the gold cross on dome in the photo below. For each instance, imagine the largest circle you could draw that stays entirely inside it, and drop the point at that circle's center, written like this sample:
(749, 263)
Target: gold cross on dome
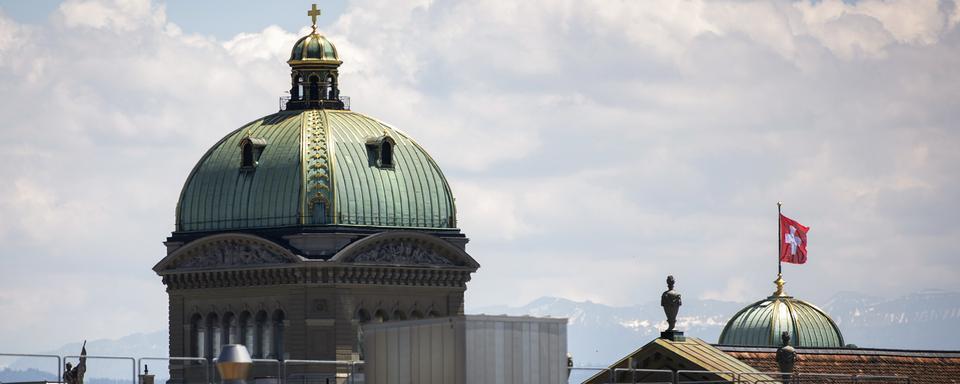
(313, 13)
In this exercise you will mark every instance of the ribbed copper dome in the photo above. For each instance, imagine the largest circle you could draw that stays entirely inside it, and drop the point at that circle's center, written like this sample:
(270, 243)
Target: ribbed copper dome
(314, 48)
(760, 324)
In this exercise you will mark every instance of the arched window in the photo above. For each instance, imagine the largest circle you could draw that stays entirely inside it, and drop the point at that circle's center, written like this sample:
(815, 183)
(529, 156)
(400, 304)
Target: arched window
(328, 94)
(297, 88)
(433, 313)
(246, 330)
(262, 329)
(416, 314)
(380, 151)
(314, 88)
(246, 155)
(213, 336)
(250, 150)
(399, 315)
(231, 332)
(380, 316)
(198, 335)
(363, 316)
(386, 154)
(278, 327)
(336, 90)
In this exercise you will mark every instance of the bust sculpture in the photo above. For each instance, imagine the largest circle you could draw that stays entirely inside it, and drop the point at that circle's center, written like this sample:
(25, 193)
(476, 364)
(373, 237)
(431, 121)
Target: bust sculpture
(786, 356)
(670, 301)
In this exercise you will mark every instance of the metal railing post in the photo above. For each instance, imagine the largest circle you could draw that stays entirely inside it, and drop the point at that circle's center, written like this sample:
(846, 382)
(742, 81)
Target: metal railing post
(203, 362)
(280, 374)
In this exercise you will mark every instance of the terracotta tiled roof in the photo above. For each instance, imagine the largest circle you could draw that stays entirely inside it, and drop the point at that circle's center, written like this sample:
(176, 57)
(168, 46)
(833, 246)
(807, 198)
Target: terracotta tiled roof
(922, 367)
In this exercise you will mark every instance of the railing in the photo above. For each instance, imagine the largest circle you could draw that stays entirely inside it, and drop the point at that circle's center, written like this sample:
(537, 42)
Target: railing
(319, 104)
(203, 362)
(354, 373)
(133, 362)
(59, 360)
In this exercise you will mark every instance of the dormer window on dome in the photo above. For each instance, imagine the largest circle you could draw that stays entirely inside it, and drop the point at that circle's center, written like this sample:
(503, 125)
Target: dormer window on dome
(380, 151)
(250, 150)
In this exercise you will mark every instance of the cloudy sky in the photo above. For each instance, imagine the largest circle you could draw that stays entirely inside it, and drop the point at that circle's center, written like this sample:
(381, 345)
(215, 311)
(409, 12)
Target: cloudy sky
(593, 147)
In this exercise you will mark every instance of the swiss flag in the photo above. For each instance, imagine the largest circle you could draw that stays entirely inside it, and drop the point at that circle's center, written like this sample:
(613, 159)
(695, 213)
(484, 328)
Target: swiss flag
(793, 245)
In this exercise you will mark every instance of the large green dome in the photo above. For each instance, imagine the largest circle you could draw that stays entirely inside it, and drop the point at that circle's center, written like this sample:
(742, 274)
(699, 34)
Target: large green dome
(760, 324)
(315, 167)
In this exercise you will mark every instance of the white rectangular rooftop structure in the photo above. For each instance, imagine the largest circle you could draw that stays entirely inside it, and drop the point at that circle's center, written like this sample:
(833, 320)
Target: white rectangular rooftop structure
(469, 349)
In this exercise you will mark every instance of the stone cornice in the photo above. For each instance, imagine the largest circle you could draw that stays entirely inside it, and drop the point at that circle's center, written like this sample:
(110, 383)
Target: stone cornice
(330, 273)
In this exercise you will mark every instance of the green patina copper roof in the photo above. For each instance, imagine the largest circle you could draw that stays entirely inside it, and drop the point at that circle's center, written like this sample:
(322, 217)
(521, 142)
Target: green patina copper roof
(760, 324)
(316, 168)
(313, 47)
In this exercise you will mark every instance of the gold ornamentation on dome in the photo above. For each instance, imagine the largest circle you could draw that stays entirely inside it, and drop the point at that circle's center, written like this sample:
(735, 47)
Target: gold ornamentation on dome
(313, 13)
(780, 283)
(316, 159)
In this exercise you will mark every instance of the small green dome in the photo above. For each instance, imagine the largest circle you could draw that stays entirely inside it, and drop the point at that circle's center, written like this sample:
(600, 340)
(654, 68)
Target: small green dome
(760, 324)
(315, 168)
(314, 48)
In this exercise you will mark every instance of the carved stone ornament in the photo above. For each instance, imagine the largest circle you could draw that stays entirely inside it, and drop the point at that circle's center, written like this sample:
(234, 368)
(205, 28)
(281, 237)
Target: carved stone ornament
(670, 301)
(401, 251)
(229, 253)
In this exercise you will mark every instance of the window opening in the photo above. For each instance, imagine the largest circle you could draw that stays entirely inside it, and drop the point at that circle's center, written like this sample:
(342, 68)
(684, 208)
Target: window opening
(247, 155)
(314, 88)
(278, 347)
(386, 154)
(197, 336)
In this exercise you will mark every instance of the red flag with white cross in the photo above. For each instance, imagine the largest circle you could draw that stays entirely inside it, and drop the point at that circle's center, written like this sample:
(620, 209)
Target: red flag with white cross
(793, 241)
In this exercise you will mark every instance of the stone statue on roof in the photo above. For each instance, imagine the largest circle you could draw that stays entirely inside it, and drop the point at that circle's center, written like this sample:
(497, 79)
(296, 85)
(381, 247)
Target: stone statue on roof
(74, 375)
(786, 356)
(670, 301)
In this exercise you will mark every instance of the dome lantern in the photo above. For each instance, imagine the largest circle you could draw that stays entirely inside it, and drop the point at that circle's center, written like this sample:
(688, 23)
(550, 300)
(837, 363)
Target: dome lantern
(314, 64)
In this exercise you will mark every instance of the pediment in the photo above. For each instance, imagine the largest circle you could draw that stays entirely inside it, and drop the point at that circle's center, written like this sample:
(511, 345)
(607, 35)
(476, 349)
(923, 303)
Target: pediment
(226, 251)
(405, 248)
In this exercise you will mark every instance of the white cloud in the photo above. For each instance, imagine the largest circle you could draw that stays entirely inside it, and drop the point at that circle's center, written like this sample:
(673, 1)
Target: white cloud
(114, 15)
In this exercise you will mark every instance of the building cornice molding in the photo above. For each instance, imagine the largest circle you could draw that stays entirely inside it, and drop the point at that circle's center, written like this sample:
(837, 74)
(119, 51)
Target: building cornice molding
(321, 274)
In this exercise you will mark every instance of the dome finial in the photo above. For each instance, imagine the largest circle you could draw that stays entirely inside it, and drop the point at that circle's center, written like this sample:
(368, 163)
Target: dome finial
(780, 283)
(313, 13)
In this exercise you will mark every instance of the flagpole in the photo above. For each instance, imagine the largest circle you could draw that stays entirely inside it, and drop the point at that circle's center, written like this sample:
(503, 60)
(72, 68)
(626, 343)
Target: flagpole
(779, 239)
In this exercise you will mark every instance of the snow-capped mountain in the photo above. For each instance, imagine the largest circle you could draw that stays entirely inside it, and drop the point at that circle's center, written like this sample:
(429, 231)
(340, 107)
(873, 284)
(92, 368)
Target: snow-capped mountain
(599, 334)
(923, 320)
